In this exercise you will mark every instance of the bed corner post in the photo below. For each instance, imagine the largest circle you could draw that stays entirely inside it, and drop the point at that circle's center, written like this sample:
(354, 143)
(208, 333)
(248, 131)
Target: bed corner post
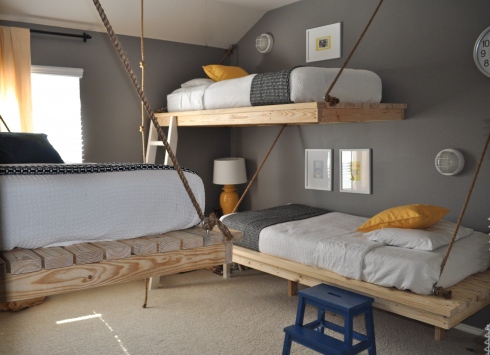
(439, 333)
(292, 288)
(228, 260)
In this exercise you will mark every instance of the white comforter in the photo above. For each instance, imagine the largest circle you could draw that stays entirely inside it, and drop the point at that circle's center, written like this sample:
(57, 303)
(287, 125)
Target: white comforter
(307, 84)
(48, 210)
(330, 242)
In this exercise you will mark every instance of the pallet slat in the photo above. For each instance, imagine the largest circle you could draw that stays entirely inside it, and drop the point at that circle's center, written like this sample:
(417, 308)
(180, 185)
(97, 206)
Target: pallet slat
(189, 240)
(113, 249)
(165, 243)
(85, 253)
(141, 246)
(54, 257)
(20, 261)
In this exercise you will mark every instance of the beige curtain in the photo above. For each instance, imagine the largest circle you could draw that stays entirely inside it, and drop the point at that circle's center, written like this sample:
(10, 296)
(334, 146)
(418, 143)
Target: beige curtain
(15, 79)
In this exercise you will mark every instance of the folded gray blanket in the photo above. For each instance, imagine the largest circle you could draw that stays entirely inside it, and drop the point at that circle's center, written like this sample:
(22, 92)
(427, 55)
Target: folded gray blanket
(252, 222)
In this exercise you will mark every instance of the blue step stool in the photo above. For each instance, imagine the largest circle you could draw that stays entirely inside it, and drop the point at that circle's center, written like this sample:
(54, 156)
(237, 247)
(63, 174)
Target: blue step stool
(335, 300)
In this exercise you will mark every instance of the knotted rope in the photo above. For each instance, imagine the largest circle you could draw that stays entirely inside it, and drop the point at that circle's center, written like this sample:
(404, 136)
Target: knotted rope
(143, 67)
(161, 134)
(437, 290)
(332, 101)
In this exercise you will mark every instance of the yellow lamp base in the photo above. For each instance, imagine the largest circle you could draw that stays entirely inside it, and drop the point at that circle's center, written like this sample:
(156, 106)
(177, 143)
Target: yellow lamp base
(228, 199)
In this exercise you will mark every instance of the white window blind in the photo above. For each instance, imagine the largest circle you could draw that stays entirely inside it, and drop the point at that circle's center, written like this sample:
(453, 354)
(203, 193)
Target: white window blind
(56, 109)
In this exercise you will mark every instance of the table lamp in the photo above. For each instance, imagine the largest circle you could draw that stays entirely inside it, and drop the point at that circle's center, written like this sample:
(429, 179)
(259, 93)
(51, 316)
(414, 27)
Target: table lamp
(229, 172)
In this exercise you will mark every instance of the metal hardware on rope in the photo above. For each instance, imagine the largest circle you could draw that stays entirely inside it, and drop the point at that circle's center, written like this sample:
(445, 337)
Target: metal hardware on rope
(161, 134)
(332, 101)
(439, 290)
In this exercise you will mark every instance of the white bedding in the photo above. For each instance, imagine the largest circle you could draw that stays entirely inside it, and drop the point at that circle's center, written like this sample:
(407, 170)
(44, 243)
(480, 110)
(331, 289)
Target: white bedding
(330, 241)
(307, 84)
(48, 210)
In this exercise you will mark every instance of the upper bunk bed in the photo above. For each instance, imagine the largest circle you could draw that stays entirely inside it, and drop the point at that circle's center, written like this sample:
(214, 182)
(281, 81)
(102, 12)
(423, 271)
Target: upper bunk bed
(293, 96)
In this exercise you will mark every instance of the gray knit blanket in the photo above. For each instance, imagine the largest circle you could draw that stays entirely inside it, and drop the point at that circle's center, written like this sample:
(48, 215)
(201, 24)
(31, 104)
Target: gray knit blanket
(271, 88)
(252, 222)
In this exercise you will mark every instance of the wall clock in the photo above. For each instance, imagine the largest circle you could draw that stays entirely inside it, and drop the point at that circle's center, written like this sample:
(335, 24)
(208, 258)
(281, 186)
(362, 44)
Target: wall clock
(481, 53)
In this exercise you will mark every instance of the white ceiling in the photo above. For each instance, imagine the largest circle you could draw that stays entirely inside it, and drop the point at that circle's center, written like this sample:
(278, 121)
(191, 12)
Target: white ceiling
(214, 23)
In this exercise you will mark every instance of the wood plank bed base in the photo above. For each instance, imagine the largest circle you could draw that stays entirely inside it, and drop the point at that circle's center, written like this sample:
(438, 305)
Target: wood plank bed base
(29, 284)
(468, 297)
(290, 114)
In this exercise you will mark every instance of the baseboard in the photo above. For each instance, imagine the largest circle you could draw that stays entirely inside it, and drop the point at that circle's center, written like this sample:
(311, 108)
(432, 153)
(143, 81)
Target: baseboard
(470, 329)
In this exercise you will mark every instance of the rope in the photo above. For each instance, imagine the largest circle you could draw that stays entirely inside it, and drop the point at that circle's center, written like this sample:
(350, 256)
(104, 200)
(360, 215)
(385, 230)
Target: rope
(4, 123)
(439, 291)
(142, 66)
(332, 101)
(161, 134)
(228, 52)
(146, 292)
(257, 172)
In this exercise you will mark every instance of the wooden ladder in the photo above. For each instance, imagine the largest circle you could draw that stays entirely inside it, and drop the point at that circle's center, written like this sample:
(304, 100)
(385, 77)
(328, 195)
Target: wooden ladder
(151, 153)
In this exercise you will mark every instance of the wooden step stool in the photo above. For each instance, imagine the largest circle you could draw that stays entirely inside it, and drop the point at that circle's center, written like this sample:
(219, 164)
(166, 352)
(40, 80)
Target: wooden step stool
(335, 300)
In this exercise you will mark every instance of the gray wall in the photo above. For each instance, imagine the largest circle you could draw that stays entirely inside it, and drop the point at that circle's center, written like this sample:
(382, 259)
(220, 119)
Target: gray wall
(422, 50)
(111, 110)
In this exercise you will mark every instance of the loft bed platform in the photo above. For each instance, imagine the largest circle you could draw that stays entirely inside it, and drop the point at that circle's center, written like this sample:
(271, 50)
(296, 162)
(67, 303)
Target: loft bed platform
(31, 273)
(290, 114)
(468, 296)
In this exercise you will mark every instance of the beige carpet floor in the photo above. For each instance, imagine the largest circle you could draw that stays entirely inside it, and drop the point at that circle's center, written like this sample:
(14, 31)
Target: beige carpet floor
(195, 313)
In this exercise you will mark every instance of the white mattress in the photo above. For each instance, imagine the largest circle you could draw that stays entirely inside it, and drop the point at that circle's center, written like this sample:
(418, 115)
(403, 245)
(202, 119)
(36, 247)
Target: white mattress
(48, 210)
(307, 84)
(330, 241)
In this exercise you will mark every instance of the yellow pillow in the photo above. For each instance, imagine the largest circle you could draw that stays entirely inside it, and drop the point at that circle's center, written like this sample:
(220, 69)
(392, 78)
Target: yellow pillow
(223, 72)
(409, 216)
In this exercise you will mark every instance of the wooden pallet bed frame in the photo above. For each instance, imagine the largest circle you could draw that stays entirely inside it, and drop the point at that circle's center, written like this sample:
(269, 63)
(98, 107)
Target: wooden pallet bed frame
(468, 297)
(290, 114)
(27, 274)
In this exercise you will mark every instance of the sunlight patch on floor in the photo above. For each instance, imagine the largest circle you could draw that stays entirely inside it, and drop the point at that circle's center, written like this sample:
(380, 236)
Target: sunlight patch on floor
(96, 315)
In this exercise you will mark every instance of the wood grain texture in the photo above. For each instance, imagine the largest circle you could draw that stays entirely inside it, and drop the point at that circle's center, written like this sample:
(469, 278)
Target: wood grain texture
(78, 277)
(113, 249)
(85, 253)
(165, 243)
(19, 261)
(291, 114)
(54, 257)
(469, 296)
(141, 246)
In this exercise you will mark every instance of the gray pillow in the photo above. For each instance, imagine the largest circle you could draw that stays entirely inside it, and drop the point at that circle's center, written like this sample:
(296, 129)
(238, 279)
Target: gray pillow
(24, 148)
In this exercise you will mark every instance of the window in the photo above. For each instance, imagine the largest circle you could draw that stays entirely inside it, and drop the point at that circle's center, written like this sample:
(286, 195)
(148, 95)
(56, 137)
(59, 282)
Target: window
(56, 109)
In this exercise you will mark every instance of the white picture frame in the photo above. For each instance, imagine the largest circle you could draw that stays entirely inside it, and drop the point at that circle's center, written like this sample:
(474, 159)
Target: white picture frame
(355, 171)
(323, 43)
(318, 169)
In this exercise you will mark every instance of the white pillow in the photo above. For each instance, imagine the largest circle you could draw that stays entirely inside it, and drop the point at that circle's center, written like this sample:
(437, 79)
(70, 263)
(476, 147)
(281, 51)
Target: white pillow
(197, 82)
(431, 238)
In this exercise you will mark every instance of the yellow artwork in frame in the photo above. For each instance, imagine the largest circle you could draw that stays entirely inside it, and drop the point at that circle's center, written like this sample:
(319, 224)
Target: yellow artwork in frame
(323, 43)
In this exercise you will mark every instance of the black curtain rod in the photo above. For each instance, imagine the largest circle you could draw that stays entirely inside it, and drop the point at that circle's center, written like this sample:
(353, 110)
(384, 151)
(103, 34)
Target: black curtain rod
(85, 36)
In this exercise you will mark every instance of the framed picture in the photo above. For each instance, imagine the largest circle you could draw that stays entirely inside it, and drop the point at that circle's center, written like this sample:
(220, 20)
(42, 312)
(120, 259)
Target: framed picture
(324, 42)
(318, 169)
(355, 170)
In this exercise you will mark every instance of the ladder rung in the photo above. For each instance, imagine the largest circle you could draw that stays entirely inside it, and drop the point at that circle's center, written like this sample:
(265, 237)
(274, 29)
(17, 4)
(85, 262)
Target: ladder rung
(155, 143)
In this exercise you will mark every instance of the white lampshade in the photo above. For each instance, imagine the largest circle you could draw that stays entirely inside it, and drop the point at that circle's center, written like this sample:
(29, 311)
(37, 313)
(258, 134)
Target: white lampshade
(229, 171)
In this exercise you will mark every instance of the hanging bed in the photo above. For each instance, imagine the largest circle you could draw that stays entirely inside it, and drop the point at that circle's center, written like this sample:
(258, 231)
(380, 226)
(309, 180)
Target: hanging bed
(291, 96)
(67, 227)
(398, 267)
